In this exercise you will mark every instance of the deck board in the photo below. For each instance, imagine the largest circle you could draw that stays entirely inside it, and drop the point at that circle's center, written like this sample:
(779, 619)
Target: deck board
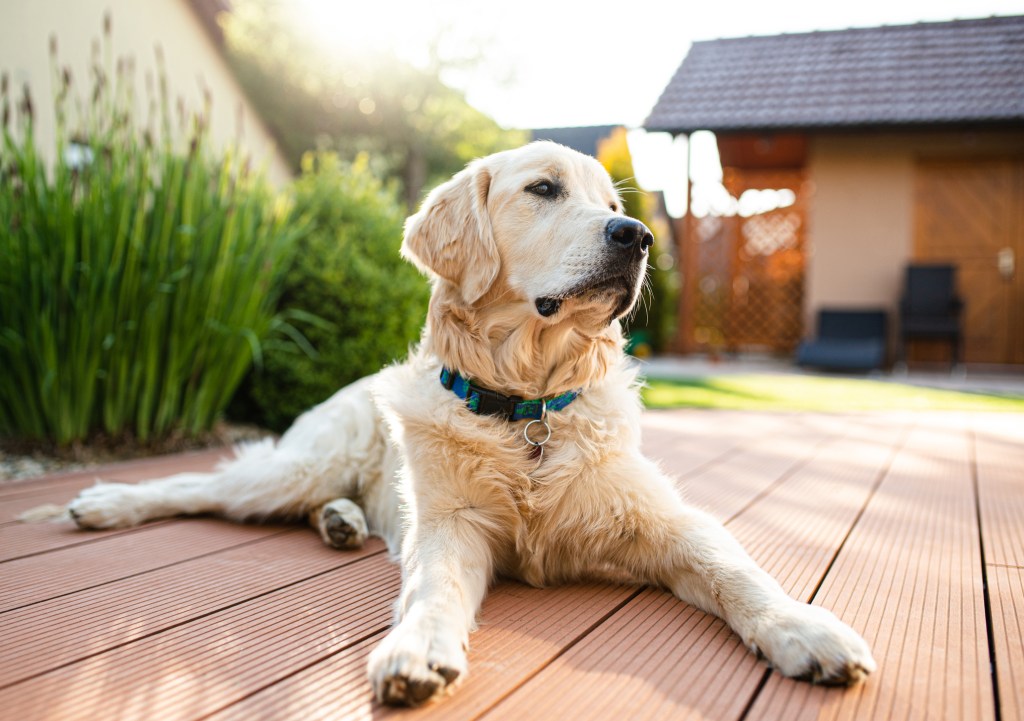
(875, 516)
(658, 654)
(725, 488)
(513, 641)
(909, 579)
(1000, 470)
(688, 443)
(72, 627)
(37, 578)
(1000, 479)
(19, 540)
(199, 667)
(1006, 588)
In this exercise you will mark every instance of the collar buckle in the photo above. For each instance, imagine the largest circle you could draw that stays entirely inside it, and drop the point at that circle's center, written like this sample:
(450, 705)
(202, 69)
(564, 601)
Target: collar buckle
(493, 403)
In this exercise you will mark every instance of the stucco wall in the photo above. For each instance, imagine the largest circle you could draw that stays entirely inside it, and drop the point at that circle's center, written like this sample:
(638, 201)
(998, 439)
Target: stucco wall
(192, 60)
(861, 218)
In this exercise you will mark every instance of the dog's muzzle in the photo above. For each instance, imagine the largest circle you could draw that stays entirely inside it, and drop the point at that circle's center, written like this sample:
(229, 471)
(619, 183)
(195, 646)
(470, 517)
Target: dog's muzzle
(627, 242)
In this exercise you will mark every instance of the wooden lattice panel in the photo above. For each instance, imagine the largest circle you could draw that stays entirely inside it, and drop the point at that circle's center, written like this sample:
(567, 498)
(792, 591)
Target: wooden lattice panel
(745, 275)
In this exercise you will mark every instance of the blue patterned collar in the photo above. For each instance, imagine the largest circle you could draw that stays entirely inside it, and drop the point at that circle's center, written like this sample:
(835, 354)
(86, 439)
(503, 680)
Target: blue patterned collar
(512, 408)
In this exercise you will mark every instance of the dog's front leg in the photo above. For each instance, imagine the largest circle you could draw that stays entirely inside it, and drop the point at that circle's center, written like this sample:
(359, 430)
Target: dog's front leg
(799, 640)
(447, 567)
(693, 555)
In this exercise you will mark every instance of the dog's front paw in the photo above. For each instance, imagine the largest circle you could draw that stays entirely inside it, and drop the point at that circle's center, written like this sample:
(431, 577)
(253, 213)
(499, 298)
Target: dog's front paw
(809, 643)
(108, 505)
(414, 664)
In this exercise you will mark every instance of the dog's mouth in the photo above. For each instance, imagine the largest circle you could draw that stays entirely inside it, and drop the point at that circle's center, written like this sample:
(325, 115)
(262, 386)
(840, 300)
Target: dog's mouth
(619, 287)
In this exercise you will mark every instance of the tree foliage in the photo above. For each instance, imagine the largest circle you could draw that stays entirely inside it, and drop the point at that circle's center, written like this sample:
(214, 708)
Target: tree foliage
(413, 126)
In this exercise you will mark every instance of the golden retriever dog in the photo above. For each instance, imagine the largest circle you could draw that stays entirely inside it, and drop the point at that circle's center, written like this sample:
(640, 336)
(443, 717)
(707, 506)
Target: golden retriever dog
(507, 444)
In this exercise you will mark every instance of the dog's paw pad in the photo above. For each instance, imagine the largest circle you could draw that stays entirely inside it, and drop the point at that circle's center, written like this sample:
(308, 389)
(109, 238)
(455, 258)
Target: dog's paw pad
(403, 691)
(448, 674)
(413, 665)
(808, 643)
(342, 525)
(840, 673)
(415, 687)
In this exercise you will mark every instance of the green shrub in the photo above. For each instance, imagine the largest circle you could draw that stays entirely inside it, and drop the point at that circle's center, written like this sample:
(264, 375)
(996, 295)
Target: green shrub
(346, 272)
(136, 279)
(652, 324)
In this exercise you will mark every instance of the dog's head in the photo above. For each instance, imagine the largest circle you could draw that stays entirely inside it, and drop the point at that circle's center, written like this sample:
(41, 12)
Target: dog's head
(540, 227)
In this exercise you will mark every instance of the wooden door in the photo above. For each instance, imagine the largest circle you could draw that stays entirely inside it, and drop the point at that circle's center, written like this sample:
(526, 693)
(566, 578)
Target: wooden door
(971, 214)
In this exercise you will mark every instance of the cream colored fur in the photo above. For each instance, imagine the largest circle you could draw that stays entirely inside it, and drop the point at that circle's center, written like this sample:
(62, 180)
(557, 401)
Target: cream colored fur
(459, 496)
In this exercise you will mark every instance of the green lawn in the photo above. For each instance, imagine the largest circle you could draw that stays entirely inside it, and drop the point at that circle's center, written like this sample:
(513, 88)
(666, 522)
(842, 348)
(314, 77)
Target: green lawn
(810, 393)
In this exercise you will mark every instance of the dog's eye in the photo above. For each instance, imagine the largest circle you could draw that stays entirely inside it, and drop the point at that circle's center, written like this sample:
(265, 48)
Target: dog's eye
(614, 207)
(543, 189)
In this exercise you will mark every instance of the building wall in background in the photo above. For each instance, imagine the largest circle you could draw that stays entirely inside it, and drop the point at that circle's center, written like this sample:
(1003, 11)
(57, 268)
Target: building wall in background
(861, 220)
(192, 62)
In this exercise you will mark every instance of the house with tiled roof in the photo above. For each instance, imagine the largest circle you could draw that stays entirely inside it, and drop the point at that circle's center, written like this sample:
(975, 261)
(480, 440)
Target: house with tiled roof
(585, 139)
(894, 145)
(185, 32)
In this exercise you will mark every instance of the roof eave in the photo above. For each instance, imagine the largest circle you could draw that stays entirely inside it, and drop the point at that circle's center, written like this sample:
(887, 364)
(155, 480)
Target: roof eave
(960, 124)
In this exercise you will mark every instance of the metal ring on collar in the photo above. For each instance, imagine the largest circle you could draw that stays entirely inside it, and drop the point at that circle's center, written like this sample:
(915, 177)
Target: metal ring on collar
(526, 432)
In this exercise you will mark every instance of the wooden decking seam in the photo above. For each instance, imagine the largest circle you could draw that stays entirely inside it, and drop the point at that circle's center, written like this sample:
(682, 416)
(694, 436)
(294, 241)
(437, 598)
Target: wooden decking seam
(205, 614)
(562, 651)
(87, 538)
(788, 473)
(879, 478)
(756, 694)
(876, 484)
(986, 597)
(317, 661)
(145, 571)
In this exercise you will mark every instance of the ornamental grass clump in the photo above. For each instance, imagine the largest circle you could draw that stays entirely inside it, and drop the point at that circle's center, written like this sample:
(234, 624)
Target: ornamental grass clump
(139, 271)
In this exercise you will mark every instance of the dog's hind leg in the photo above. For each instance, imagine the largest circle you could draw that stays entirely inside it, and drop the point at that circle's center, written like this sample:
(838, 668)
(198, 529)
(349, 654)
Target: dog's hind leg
(341, 524)
(119, 505)
(252, 485)
(334, 451)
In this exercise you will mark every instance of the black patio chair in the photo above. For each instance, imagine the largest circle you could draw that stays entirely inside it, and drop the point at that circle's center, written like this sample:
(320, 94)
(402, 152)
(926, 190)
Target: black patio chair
(930, 309)
(847, 340)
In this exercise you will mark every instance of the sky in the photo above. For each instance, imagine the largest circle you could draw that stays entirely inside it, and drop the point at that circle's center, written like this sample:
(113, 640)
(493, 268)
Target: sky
(592, 62)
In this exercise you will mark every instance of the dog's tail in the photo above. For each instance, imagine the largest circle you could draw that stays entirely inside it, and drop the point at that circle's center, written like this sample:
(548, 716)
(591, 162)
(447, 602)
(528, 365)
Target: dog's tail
(46, 512)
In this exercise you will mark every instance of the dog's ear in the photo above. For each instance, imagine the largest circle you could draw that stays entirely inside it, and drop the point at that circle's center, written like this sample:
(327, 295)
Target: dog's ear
(451, 235)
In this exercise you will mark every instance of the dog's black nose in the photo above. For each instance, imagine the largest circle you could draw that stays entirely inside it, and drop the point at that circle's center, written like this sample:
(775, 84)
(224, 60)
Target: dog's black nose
(627, 233)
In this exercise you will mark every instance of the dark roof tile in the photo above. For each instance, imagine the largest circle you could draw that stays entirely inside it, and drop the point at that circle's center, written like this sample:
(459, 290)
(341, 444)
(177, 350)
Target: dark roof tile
(963, 71)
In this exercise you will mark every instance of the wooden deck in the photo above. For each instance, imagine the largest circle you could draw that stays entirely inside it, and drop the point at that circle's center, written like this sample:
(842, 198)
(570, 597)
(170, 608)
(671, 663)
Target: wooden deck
(910, 527)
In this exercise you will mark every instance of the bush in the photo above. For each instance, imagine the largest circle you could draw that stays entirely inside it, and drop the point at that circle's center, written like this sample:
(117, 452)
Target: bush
(363, 305)
(652, 324)
(136, 279)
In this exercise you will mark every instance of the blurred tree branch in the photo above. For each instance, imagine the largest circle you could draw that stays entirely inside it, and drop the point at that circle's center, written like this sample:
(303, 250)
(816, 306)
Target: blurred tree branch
(415, 128)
